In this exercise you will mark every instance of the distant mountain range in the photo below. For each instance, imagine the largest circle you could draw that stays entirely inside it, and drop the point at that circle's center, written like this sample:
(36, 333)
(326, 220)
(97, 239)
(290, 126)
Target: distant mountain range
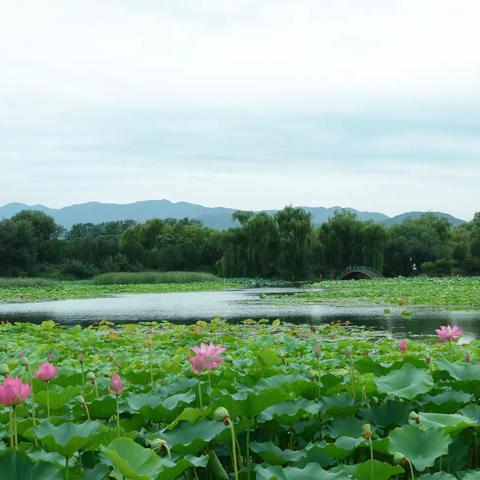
(218, 217)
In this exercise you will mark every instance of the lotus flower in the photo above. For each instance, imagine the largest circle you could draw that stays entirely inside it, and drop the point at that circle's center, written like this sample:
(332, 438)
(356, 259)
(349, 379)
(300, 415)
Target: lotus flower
(13, 391)
(207, 357)
(403, 345)
(116, 384)
(46, 372)
(449, 333)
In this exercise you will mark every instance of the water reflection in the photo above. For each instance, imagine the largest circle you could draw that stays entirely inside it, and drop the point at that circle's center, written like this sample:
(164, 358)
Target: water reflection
(236, 305)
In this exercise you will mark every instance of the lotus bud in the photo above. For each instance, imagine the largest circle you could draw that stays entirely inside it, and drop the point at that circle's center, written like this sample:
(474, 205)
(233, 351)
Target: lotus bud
(317, 350)
(414, 416)
(375, 400)
(4, 370)
(367, 431)
(398, 458)
(24, 361)
(220, 414)
(81, 357)
(468, 357)
(51, 357)
(148, 342)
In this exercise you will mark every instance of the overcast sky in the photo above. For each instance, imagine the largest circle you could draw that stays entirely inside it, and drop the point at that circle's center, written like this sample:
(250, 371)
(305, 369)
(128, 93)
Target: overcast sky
(370, 104)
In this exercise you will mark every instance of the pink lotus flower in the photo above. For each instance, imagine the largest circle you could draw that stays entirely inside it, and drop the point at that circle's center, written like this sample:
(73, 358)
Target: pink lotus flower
(449, 333)
(403, 345)
(46, 372)
(116, 384)
(13, 391)
(207, 357)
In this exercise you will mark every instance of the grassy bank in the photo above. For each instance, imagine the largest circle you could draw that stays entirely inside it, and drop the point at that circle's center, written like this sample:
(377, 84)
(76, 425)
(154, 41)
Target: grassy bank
(335, 403)
(125, 278)
(441, 292)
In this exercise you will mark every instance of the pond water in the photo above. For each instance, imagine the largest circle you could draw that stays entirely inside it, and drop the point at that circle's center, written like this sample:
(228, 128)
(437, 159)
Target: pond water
(235, 305)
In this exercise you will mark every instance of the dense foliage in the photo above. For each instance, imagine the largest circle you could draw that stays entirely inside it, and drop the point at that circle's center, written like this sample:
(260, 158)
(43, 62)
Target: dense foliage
(331, 403)
(285, 245)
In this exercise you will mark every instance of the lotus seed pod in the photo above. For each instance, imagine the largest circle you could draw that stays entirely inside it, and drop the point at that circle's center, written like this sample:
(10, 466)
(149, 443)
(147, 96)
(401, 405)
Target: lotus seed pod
(4, 370)
(24, 361)
(367, 431)
(398, 458)
(375, 400)
(79, 399)
(91, 376)
(312, 374)
(220, 414)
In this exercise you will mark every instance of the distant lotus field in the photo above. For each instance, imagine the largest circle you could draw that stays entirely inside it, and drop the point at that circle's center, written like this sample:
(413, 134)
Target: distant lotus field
(256, 400)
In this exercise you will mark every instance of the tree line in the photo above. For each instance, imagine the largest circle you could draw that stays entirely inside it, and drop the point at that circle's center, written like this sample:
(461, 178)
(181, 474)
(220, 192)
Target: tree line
(284, 245)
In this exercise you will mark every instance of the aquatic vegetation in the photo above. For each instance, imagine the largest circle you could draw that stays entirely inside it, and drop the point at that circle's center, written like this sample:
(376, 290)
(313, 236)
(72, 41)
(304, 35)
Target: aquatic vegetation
(455, 292)
(87, 289)
(284, 402)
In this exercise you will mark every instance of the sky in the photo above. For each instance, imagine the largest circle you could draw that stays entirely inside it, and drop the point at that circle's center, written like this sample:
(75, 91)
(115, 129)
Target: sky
(245, 104)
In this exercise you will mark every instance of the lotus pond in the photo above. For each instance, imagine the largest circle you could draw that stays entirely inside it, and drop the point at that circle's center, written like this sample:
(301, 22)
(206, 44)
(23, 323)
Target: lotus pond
(286, 402)
(450, 292)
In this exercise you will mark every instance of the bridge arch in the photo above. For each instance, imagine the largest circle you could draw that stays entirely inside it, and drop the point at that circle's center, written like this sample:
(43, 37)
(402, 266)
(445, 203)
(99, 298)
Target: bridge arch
(360, 272)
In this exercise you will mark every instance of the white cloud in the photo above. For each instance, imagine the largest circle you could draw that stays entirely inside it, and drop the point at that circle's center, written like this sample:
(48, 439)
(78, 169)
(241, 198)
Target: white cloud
(305, 101)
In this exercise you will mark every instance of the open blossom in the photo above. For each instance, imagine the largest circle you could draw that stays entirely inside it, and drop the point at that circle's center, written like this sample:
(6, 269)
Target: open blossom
(403, 345)
(116, 384)
(207, 357)
(46, 372)
(449, 333)
(13, 391)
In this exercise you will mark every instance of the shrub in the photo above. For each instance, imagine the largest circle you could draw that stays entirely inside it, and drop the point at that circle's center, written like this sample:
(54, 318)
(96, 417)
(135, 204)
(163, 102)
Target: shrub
(120, 278)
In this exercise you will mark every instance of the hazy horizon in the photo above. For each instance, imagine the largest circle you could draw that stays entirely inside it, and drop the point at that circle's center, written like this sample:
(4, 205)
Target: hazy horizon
(248, 104)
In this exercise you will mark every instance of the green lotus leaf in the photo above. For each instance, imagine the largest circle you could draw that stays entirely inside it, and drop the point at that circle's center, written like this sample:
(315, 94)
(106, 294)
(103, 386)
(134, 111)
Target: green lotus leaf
(17, 466)
(288, 413)
(389, 415)
(189, 438)
(407, 382)
(339, 405)
(171, 469)
(99, 472)
(421, 447)
(309, 472)
(452, 423)
(460, 370)
(345, 426)
(375, 470)
(472, 410)
(66, 438)
(59, 397)
(132, 460)
(274, 455)
(103, 408)
(155, 408)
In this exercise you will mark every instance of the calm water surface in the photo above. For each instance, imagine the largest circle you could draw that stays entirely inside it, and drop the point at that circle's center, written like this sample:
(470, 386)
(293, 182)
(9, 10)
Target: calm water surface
(234, 305)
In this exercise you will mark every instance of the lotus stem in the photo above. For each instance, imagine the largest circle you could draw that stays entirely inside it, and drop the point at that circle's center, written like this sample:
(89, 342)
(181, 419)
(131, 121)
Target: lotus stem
(234, 449)
(15, 432)
(67, 467)
(200, 400)
(118, 414)
(12, 436)
(48, 400)
(247, 453)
